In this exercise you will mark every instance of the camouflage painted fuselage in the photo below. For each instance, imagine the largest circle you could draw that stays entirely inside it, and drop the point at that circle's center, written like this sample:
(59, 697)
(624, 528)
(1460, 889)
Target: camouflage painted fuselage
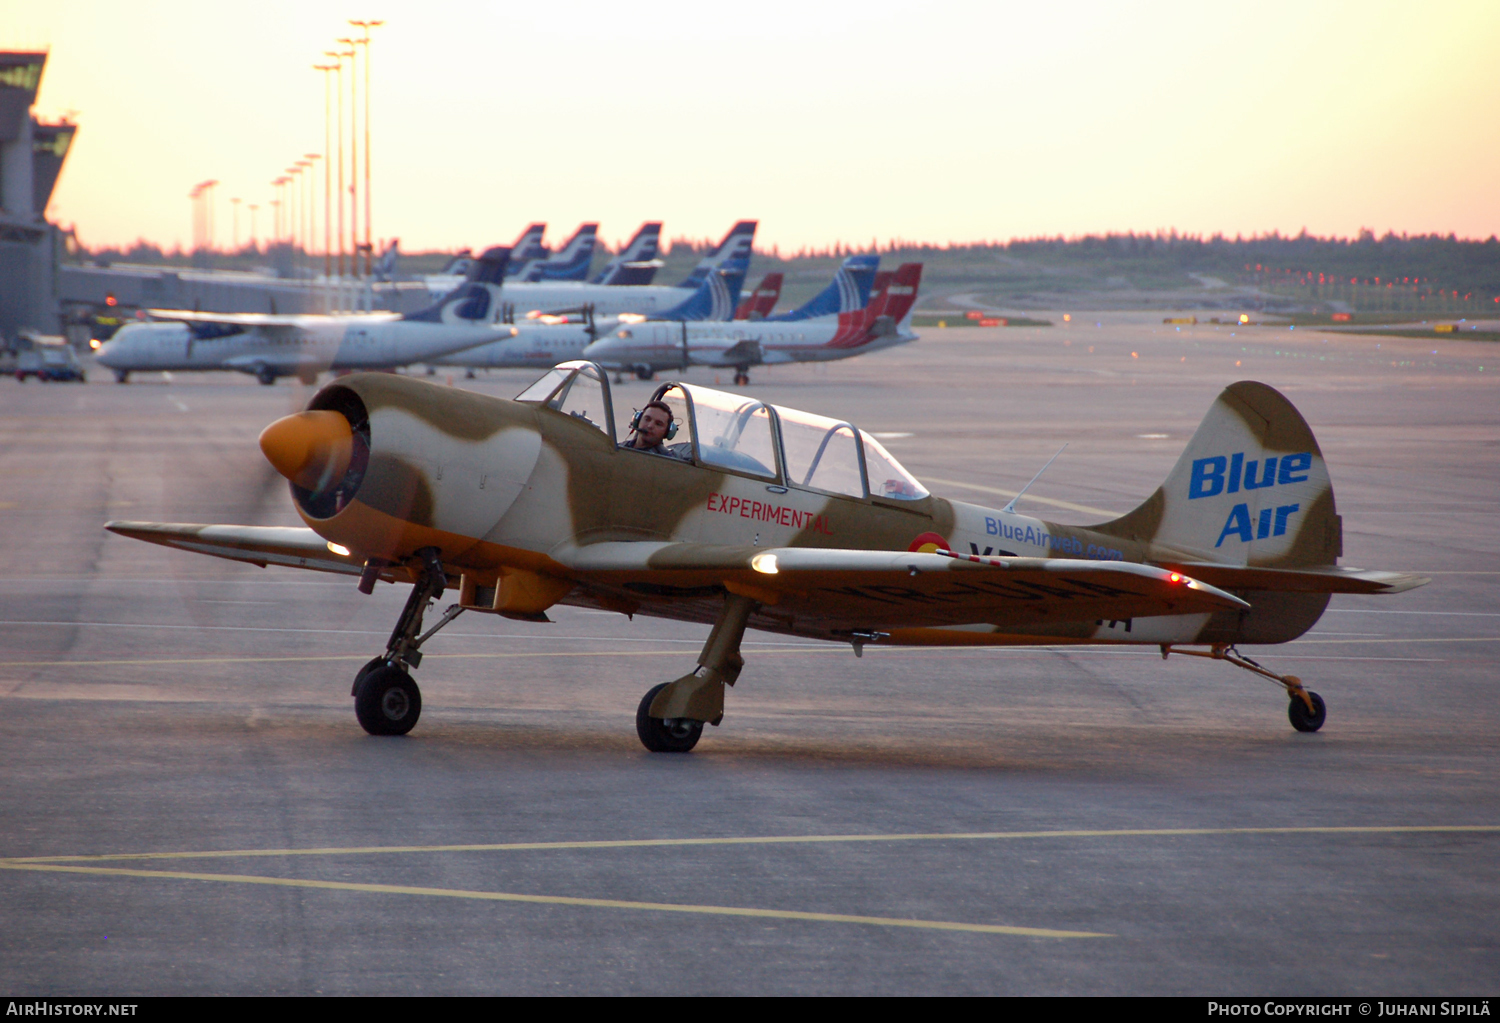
(510, 492)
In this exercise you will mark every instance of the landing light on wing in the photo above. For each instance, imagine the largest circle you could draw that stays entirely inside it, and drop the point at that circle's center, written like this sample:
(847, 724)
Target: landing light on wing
(632, 318)
(764, 563)
(338, 549)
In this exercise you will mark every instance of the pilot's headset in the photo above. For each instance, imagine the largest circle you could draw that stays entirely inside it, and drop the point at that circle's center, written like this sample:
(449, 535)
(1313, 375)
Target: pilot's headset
(635, 420)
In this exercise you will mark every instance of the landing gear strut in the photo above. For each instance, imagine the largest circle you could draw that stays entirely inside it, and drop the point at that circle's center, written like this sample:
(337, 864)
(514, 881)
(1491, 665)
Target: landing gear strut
(672, 715)
(386, 699)
(1305, 708)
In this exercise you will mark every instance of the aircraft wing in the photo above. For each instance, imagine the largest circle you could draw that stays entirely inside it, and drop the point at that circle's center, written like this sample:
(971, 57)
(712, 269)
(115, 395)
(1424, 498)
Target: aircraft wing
(258, 545)
(261, 320)
(853, 589)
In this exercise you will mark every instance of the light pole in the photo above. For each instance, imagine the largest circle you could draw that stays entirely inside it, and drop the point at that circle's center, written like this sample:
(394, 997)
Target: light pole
(367, 25)
(327, 171)
(254, 209)
(312, 205)
(235, 203)
(352, 53)
(338, 87)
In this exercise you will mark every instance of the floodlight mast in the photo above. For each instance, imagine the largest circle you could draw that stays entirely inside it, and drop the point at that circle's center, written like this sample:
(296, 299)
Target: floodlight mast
(369, 248)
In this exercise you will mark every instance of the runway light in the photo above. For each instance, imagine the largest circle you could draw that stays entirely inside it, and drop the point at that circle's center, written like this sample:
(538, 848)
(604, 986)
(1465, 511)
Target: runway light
(1068, 318)
(338, 549)
(764, 564)
(1244, 317)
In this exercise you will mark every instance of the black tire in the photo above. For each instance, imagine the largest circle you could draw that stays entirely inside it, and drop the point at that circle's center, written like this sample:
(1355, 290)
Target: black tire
(365, 669)
(658, 736)
(387, 702)
(266, 377)
(1303, 721)
(122, 376)
(645, 373)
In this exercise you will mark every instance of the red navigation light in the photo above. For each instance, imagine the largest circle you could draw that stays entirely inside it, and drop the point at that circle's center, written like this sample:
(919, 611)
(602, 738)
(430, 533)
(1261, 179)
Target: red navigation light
(1176, 578)
(110, 300)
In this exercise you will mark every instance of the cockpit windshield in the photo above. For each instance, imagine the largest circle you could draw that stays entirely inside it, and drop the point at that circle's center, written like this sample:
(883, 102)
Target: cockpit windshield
(579, 389)
(887, 478)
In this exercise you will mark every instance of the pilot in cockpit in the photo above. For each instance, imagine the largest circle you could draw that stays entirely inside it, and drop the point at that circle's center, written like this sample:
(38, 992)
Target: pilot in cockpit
(651, 426)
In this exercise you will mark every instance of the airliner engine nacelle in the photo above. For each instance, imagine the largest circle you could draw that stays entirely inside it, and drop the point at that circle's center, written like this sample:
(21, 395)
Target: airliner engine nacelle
(387, 467)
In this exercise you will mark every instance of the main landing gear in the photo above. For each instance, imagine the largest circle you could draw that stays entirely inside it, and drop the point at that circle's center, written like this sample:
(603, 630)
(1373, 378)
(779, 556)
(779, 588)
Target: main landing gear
(671, 716)
(386, 698)
(1305, 708)
(742, 377)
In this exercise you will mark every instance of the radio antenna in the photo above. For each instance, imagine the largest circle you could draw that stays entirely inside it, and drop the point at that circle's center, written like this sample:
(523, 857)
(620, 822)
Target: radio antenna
(1011, 508)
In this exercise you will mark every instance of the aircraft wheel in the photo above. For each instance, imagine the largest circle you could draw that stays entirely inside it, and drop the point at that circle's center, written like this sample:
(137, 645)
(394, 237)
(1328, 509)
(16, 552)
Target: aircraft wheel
(266, 377)
(122, 376)
(645, 373)
(742, 379)
(659, 736)
(1302, 720)
(387, 702)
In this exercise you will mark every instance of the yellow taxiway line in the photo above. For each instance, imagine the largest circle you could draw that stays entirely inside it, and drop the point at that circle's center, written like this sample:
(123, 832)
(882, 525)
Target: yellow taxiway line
(649, 843)
(562, 900)
(72, 865)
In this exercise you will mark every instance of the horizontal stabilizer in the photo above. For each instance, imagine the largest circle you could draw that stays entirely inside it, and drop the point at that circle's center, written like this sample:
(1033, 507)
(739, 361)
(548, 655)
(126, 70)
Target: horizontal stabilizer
(1332, 579)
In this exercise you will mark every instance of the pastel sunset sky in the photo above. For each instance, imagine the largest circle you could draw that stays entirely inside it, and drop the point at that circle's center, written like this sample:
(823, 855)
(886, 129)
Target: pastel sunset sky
(942, 121)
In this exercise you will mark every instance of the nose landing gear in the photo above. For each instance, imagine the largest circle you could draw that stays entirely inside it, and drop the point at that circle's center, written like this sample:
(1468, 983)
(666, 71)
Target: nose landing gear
(386, 698)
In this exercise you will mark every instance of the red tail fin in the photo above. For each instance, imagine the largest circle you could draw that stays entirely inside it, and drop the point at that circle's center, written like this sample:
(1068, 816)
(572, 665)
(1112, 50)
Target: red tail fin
(901, 295)
(759, 303)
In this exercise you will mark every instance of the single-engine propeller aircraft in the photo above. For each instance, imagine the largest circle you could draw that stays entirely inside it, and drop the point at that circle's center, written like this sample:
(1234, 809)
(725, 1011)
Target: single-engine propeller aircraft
(748, 515)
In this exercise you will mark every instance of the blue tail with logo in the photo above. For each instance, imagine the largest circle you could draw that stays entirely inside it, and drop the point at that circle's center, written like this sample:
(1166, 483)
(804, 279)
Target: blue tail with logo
(528, 250)
(848, 292)
(738, 244)
(571, 262)
(637, 262)
(474, 299)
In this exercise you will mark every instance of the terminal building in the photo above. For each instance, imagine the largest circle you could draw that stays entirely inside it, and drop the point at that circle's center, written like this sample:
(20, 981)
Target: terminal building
(31, 158)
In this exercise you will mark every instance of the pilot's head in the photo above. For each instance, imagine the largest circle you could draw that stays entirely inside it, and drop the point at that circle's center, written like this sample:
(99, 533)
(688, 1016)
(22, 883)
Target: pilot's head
(652, 424)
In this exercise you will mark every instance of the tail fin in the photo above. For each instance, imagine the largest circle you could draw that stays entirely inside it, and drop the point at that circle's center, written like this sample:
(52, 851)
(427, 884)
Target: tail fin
(528, 249)
(759, 303)
(1251, 489)
(571, 262)
(890, 301)
(472, 300)
(849, 291)
(901, 296)
(738, 244)
(637, 262)
(385, 267)
(714, 299)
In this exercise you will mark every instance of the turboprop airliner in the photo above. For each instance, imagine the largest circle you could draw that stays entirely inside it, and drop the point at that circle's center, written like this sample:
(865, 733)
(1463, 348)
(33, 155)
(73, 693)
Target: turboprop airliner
(271, 346)
(729, 259)
(846, 321)
(740, 514)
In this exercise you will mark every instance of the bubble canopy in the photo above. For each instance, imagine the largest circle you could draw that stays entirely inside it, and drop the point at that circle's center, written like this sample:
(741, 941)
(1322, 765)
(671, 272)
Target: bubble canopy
(735, 433)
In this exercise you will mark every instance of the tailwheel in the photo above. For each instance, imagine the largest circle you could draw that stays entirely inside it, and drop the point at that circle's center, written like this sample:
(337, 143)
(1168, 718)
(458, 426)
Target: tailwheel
(387, 701)
(1303, 719)
(678, 735)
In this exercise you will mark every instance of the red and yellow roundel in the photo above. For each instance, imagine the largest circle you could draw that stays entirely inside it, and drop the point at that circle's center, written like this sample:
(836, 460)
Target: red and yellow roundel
(926, 543)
